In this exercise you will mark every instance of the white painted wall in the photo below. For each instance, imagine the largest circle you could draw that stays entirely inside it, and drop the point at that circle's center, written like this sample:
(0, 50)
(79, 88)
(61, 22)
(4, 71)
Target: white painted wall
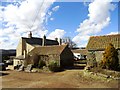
(17, 61)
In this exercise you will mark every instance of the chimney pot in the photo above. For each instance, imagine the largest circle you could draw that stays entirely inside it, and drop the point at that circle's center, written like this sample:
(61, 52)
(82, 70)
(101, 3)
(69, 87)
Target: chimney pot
(30, 35)
(44, 41)
(60, 41)
(56, 39)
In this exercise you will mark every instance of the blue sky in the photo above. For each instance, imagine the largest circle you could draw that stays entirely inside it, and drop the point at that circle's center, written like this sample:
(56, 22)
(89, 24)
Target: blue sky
(70, 15)
(77, 20)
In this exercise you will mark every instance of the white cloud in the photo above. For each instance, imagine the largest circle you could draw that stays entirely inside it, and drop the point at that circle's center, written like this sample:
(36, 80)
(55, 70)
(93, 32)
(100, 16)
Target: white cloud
(112, 33)
(80, 40)
(55, 8)
(49, 14)
(51, 19)
(29, 16)
(58, 33)
(98, 18)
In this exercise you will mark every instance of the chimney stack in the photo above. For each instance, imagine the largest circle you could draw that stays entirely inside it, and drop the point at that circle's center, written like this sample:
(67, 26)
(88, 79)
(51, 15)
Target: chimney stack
(24, 54)
(44, 41)
(30, 35)
(60, 41)
(56, 39)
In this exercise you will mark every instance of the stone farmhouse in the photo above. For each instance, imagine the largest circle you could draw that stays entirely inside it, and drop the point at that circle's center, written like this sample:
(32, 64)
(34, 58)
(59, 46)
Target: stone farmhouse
(98, 44)
(39, 47)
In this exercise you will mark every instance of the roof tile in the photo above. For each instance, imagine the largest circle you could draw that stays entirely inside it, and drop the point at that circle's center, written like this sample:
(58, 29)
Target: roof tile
(101, 42)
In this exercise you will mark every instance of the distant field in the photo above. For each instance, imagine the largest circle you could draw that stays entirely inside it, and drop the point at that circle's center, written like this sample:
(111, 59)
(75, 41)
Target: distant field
(65, 79)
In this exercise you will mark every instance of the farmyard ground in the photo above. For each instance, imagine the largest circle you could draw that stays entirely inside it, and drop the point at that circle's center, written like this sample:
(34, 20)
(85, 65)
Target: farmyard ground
(65, 79)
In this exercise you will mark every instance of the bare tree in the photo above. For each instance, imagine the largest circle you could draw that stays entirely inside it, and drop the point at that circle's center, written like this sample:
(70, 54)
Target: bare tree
(67, 40)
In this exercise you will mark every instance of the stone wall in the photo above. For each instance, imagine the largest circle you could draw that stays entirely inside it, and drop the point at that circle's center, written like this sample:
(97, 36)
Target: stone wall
(54, 57)
(99, 55)
(34, 59)
(44, 58)
(119, 56)
(91, 59)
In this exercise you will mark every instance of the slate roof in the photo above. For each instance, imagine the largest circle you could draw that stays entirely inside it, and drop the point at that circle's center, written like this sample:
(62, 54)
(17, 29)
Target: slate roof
(81, 51)
(101, 42)
(47, 50)
(38, 41)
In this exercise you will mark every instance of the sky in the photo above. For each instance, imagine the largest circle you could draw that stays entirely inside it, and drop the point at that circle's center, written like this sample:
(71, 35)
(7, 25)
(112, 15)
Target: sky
(77, 20)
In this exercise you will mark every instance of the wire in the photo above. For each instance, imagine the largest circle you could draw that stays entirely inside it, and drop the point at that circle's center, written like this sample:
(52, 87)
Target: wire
(37, 13)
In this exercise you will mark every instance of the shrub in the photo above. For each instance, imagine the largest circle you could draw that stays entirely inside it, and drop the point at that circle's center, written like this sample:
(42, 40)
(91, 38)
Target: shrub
(54, 66)
(41, 63)
(110, 58)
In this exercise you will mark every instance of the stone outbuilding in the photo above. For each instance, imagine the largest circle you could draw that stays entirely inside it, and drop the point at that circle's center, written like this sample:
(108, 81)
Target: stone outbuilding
(60, 53)
(97, 44)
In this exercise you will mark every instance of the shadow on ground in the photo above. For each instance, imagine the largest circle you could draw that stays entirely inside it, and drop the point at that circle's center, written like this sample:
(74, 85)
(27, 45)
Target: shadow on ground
(75, 67)
(3, 74)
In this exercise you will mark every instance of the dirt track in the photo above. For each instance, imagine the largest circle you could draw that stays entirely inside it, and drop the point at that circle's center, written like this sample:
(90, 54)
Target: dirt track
(65, 79)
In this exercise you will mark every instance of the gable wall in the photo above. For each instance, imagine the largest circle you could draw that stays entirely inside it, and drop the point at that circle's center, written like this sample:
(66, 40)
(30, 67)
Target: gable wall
(66, 57)
(29, 47)
(19, 48)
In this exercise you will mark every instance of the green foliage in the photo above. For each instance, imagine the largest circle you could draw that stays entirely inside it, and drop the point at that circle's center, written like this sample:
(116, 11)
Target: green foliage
(110, 58)
(41, 63)
(5, 57)
(54, 66)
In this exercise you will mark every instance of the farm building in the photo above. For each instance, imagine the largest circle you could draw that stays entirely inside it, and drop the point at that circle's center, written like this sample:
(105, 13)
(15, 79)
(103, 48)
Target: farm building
(26, 44)
(97, 44)
(60, 53)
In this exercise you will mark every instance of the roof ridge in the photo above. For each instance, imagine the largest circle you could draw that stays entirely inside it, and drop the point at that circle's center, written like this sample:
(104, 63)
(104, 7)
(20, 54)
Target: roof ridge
(31, 38)
(105, 35)
(49, 49)
(54, 45)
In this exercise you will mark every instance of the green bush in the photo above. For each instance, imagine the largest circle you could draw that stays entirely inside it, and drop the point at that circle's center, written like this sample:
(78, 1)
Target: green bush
(54, 66)
(41, 63)
(110, 58)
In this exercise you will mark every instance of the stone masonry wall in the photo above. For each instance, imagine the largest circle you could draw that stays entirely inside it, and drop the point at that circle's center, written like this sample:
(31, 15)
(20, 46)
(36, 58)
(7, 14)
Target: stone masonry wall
(119, 56)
